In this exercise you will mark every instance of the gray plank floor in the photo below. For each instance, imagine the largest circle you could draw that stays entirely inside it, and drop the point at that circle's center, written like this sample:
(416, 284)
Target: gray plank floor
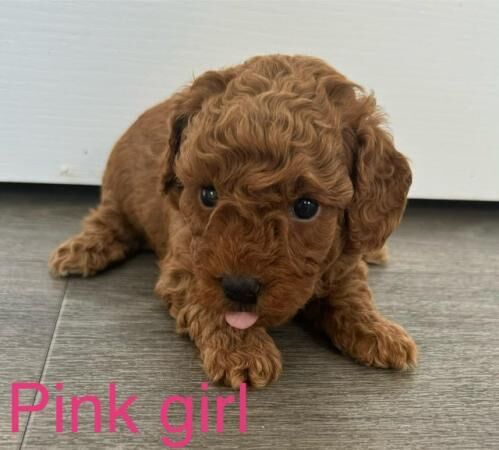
(442, 284)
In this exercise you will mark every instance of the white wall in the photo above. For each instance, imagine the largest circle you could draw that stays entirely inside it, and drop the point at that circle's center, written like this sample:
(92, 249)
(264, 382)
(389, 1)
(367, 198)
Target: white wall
(74, 75)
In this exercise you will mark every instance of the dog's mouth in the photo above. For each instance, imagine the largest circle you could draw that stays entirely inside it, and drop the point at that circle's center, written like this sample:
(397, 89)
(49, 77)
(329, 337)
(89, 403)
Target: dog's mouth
(240, 316)
(241, 320)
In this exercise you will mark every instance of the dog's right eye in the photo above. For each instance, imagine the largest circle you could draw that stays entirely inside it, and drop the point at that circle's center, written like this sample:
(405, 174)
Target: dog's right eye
(209, 196)
(305, 208)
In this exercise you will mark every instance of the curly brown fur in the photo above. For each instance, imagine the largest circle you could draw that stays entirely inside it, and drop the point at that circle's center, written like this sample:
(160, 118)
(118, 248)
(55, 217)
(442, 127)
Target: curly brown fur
(263, 133)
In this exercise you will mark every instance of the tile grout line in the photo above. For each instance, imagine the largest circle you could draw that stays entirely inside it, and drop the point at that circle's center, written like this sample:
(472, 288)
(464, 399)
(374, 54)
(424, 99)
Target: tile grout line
(47, 355)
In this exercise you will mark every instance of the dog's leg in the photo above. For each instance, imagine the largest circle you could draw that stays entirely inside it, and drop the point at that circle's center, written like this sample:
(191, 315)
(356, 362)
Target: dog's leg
(106, 238)
(349, 317)
(230, 356)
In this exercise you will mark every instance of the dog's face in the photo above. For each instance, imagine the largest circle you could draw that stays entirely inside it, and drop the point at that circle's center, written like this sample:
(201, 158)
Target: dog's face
(263, 215)
(265, 167)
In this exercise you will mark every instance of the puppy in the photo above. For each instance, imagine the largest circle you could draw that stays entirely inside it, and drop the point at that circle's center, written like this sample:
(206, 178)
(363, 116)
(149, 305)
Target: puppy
(261, 188)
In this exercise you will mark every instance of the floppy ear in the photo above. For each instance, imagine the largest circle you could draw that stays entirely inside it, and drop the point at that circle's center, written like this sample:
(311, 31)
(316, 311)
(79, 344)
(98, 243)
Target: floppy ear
(184, 106)
(176, 125)
(381, 178)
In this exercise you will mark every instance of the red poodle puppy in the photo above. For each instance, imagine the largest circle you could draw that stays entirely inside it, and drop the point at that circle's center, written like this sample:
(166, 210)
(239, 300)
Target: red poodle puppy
(261, 188)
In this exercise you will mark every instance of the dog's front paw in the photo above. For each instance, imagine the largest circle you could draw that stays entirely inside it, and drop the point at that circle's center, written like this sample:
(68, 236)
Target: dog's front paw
(383, 344)
(85, 255)
(256, 361)
(69, 258)
(75, 257)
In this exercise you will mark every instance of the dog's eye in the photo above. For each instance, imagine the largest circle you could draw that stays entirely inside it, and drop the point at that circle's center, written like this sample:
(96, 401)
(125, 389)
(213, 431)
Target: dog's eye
(305, 208)
(209, 196)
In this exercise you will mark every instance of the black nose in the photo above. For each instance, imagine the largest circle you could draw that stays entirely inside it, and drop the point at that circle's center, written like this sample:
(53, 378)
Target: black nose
(241, 289)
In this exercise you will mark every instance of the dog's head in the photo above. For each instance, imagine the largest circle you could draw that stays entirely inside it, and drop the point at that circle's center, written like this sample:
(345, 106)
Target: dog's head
(278, 167)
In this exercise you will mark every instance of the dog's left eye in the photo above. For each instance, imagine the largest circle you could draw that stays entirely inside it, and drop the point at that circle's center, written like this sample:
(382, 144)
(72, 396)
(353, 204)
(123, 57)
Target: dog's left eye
(209, 196)
(305, 208)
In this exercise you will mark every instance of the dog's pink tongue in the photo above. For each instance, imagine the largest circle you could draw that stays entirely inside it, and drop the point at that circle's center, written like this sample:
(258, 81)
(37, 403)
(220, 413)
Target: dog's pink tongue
(241, 320)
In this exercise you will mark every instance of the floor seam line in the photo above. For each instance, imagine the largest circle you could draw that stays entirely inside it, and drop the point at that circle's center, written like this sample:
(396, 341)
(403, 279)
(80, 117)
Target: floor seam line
(47, 355)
